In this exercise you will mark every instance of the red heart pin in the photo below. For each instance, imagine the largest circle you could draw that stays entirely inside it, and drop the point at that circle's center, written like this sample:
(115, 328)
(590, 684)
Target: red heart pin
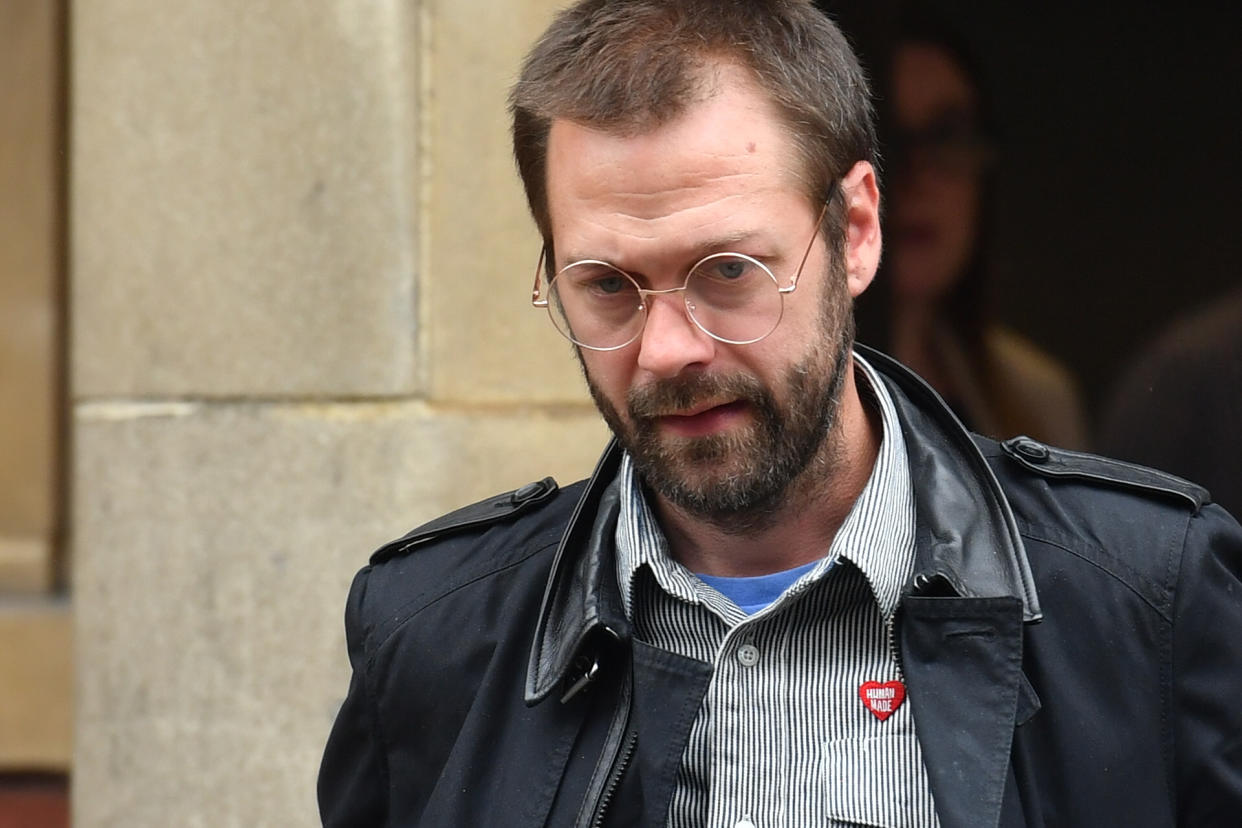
(882, 699)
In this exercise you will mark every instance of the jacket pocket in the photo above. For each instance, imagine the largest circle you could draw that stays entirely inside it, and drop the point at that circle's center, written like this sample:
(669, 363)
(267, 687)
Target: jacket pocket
(876, 781)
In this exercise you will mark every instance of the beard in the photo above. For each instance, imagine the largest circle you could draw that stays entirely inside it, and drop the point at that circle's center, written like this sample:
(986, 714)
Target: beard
(736, 480)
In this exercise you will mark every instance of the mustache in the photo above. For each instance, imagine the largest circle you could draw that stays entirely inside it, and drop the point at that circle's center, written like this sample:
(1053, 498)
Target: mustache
(676, 394)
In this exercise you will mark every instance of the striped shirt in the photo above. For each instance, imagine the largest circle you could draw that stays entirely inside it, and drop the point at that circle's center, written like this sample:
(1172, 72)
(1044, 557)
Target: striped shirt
(783, 738)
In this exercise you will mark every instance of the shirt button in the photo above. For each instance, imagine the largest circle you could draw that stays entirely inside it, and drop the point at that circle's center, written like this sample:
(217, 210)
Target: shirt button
(748, 655)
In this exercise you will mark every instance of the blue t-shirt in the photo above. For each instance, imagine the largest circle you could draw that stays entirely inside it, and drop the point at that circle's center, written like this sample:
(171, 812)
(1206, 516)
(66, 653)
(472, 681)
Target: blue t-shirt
(753, 593)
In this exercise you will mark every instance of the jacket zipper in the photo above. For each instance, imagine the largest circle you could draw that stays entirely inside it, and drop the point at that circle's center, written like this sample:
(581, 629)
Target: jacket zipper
(614, 779)
(921, 582)
(892, 645)
(617, 752)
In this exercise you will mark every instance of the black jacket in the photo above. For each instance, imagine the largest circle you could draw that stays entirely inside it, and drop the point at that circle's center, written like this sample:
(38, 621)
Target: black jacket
(1068, 641)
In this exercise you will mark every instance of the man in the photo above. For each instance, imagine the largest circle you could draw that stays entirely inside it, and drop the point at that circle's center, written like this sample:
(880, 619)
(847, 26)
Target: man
(795, 592)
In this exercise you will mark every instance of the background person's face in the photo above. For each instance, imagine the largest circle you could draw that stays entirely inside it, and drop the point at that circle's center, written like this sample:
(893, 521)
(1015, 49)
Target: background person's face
(936, 188)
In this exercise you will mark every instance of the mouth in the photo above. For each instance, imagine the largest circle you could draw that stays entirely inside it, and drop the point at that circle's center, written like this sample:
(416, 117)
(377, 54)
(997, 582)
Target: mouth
(704, 420)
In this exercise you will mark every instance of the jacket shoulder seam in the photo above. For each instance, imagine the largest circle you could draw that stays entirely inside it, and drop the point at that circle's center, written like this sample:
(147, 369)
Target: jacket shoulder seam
(401, 615)
(1173, 576)
(1119, 570)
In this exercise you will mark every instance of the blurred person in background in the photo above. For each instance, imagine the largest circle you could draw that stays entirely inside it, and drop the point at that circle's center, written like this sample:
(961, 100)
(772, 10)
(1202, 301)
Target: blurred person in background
(942, 160)
(1179, 404)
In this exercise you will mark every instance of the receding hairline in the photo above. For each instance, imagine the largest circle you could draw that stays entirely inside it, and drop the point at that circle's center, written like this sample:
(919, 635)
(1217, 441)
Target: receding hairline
(713, 75)
(627, 68)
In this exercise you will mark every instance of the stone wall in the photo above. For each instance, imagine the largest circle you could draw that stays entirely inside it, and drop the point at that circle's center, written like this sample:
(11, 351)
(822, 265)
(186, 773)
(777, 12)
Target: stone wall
(301, 325)
(35, 680)
(29, 292)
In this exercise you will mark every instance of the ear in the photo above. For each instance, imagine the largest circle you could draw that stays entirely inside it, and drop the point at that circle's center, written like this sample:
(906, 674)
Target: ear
(863, 241)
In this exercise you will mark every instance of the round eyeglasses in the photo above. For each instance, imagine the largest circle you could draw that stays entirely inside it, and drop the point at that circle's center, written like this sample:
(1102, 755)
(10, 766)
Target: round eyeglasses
(731, 297)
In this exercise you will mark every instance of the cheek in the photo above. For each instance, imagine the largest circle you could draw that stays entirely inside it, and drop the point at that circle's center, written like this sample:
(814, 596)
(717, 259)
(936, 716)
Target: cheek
(930, 265)
(961, 203)
(769, 360)
(609, 372)
(817, 313)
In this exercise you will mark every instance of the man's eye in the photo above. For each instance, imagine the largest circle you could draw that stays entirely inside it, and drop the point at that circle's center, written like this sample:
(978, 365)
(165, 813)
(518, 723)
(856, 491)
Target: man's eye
(731, 269)
(608, 284)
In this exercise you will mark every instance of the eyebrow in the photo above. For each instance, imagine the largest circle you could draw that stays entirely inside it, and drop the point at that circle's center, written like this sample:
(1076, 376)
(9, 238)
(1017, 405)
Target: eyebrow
(724, 243)
(717, 244)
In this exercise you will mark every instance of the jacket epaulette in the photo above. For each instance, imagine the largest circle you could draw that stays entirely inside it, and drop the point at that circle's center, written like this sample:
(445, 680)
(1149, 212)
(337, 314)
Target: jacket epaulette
(495, 509)
(1050, 461)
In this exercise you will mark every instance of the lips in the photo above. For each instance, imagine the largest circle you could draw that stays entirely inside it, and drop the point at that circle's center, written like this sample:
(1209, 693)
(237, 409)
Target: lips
(704, 420)
(693, 405)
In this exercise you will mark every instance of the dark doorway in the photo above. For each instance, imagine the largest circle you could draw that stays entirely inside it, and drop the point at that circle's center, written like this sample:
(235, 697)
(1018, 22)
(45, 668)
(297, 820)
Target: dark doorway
(1119, 197)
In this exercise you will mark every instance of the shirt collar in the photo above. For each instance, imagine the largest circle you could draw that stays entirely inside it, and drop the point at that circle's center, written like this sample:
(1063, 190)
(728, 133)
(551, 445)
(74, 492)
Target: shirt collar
(877, 536)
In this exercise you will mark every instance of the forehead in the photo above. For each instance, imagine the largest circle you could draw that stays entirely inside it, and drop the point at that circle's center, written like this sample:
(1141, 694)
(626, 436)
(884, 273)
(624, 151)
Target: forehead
(927, 83)
(728, 148)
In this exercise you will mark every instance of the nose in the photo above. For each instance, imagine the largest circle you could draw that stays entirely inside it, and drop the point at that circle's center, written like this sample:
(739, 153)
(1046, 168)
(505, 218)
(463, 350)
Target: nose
(670, 341)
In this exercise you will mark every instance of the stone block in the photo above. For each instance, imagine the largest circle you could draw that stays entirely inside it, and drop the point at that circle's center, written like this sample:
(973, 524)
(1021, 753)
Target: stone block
(486, 342)
(244, 198)
(214, 547)
(36, 685)
(29, 289)
(26, 564)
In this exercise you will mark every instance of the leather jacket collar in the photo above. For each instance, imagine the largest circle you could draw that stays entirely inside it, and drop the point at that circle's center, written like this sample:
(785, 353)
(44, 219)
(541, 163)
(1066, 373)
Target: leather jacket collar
(967, 543)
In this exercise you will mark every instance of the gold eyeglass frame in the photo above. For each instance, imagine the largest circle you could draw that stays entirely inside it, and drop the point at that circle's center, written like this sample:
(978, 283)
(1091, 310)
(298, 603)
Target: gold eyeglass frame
(539, 301)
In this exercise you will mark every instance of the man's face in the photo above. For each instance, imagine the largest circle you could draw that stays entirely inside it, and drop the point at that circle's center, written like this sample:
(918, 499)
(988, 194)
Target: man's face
(719, 430)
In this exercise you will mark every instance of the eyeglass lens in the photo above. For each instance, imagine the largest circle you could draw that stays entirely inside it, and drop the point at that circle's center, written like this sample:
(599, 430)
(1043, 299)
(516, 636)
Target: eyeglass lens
(731, 297)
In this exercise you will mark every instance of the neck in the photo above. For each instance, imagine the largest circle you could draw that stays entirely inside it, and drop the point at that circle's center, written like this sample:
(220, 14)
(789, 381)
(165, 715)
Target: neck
(807, 519)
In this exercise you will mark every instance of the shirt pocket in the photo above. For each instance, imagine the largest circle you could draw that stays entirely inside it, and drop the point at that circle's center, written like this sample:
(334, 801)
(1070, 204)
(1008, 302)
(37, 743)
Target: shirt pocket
(877, 781)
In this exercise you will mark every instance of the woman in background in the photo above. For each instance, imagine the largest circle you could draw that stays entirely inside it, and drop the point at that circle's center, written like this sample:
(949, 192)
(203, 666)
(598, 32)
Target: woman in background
(999, 383)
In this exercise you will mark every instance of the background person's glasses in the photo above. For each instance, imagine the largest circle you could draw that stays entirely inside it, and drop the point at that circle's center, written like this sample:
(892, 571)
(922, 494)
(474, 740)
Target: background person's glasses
(731, 297)
(952, 143)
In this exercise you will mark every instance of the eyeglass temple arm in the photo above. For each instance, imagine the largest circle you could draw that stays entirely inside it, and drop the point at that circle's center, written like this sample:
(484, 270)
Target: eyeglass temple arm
(534, 293)
(793, 285)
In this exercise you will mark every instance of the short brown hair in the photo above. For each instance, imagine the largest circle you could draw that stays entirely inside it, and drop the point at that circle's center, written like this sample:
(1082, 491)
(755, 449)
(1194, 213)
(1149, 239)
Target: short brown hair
(628, 66)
